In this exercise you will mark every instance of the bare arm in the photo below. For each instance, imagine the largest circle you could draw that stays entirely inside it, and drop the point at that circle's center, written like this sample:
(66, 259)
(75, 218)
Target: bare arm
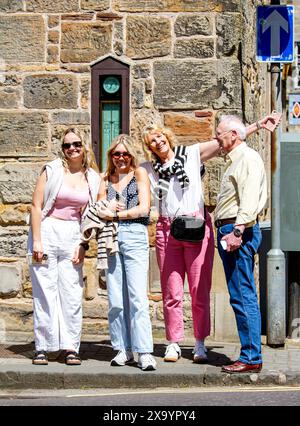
(260, 124)
(102, 188)
(36, 216)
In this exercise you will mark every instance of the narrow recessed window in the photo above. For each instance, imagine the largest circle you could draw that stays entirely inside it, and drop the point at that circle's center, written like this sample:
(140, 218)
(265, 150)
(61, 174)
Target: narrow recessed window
(110, 105)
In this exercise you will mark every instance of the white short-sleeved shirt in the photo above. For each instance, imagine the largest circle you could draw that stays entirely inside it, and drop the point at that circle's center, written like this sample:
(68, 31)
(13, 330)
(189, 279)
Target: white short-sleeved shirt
(180, 201)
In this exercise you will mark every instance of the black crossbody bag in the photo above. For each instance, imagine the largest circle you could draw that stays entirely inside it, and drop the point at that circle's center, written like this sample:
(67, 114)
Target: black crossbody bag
(188, 228)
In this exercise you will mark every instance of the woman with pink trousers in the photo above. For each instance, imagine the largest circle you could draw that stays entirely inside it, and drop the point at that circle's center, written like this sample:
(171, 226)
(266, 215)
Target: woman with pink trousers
(175, 178)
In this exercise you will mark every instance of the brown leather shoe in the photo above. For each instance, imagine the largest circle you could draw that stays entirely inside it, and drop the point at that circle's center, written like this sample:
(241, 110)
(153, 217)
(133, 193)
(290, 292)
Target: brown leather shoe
(240, 367)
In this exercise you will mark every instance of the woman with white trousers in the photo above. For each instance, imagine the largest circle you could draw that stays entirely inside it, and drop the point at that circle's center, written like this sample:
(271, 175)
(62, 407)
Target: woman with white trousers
(64, 190)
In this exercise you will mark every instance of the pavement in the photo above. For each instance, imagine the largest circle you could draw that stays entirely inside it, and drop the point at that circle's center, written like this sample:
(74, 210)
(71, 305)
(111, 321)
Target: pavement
(281, 367)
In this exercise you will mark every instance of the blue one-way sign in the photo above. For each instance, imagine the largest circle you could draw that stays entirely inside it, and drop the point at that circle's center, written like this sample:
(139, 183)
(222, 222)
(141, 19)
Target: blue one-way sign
(275, 34)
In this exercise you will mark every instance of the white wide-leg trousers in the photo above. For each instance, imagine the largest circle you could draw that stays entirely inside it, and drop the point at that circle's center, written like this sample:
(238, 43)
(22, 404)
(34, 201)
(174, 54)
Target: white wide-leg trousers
(57, 288)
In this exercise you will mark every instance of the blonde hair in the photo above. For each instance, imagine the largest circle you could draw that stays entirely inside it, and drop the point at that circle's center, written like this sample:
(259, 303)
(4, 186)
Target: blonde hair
(156, 128)
(89, 160)
(128, 143)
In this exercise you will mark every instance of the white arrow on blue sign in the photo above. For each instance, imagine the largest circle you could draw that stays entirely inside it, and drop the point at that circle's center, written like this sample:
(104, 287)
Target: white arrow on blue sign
(275, 34)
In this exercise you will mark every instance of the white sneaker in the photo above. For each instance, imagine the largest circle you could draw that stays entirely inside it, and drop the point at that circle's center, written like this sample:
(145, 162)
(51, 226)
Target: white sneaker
(146, 362)
(122, 358)
(173, 352)
(200, 352)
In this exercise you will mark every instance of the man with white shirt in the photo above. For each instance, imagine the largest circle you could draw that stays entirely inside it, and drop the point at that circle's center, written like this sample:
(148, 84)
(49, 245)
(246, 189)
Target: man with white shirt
(243, 195)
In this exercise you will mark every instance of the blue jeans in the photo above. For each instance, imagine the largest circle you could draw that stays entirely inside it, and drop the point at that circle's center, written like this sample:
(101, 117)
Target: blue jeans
(127, 286)
(238, 266)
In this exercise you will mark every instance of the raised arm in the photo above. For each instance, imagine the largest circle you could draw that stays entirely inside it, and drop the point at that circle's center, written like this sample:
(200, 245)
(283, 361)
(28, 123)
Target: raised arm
(261, 124)
(210, 149)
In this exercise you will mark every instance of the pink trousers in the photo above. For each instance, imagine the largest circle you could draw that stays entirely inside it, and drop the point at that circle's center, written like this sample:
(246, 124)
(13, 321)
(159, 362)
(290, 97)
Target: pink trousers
(175, 259)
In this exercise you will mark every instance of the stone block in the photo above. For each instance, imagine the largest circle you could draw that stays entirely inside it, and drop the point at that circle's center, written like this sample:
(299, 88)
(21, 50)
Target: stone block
(142, 70)
(55, 6)
(52, 54)
(148, 37)
(225, 324)
(22, 38)
(118, 48)
(11, 5)
(13, 241)
(85, 41)
(17, 315)
(71, 117)
(195, 48)
(191, 25)
(148, 86)
(119, 30)
(10, 97)
(23, 134)
(91, 279)
(96, 308)
(212, 178)
(50, 91)
(177, 5)
(229, 83)
(87, 16)
(8, 79)
(154, 275)
(85, 92)
(95, 4)
(219, 284)
(11, 280)
(13, 214)
(189, 127)
(186, 85)
(229, 27)
(17, 182)
(53, 36)
(53, 21)
(137, 94)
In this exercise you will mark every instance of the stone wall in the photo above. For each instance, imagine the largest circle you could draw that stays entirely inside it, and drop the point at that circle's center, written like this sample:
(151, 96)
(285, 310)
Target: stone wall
(190, 61)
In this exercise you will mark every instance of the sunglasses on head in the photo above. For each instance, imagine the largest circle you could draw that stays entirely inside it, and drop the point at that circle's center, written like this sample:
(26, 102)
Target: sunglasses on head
(76, 144)
(118, 154)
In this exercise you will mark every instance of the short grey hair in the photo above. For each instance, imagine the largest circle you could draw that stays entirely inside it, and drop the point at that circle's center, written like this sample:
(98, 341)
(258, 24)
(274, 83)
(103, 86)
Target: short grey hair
(233, 122)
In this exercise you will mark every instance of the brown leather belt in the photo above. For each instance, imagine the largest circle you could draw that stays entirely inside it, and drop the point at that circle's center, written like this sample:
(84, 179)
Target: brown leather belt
(221, 222)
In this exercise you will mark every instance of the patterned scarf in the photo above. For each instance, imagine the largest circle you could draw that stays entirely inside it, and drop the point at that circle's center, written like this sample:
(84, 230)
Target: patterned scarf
(165, 174)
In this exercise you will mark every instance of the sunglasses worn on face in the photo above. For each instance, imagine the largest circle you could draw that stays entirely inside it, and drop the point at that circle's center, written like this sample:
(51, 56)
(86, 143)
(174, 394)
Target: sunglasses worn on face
(76, 144)
(118, 154)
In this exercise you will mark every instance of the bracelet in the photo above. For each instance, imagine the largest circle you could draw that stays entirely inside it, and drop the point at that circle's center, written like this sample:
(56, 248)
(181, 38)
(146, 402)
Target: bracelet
(85, 246)
(258, 125)
(116, 217)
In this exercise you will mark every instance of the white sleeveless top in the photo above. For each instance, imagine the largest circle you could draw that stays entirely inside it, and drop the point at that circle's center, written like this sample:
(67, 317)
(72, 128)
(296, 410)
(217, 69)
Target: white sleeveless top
(180, 201)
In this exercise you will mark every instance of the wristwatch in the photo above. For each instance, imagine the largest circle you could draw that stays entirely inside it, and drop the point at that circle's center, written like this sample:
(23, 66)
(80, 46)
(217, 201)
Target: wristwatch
(237, 232)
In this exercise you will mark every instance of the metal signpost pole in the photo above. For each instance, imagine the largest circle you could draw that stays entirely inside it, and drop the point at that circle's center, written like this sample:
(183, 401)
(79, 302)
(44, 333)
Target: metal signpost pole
(275, 45)
(276, 315)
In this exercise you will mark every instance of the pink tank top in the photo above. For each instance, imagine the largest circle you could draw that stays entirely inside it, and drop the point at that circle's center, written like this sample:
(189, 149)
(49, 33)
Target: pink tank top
(69, 202)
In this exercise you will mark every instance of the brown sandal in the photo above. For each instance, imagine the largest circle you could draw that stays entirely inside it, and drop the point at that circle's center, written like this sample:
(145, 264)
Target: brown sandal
(40, 358)
(72, 358)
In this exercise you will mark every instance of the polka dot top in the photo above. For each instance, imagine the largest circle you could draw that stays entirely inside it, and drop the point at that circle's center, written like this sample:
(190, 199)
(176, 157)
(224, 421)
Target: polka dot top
(130, 198)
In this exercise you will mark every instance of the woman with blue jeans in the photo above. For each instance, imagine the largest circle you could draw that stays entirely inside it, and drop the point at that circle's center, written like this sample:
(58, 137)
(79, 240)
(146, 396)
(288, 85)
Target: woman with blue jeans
(126, 187)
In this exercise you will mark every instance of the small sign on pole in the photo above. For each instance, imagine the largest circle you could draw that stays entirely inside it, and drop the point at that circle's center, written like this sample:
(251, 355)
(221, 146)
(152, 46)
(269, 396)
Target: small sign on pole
(275, 34)
(294, 109)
